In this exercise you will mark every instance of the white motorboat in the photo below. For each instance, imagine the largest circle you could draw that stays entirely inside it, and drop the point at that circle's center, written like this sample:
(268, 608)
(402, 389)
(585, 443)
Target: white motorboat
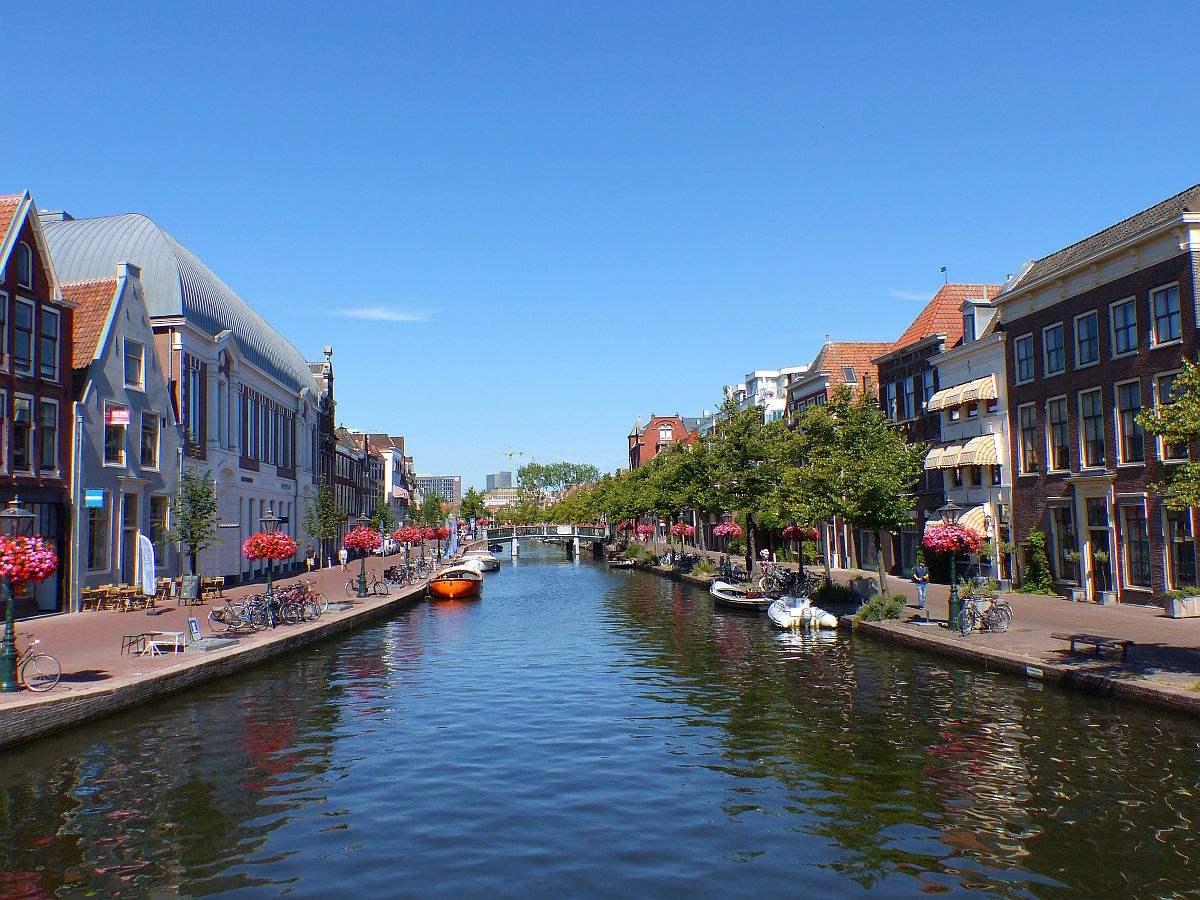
(798, 612)
(738, 596)
(486, 560)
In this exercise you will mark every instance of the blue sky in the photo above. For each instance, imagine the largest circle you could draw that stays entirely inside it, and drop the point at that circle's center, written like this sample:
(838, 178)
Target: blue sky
(526, 224)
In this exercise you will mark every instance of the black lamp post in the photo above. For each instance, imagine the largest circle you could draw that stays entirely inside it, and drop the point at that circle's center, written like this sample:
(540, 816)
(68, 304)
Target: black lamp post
(15, 521)
(362, 522)
(950, 513)
(270, 524)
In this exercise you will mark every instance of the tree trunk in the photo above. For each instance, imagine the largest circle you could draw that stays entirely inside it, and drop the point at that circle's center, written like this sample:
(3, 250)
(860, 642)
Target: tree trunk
(879, 564)
(826, 554)
(750, 546)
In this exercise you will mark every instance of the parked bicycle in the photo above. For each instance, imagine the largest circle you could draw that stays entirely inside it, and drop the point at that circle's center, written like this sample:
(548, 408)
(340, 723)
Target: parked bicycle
(37, 671)
(776, 580)
(375, 585)
(984, 614)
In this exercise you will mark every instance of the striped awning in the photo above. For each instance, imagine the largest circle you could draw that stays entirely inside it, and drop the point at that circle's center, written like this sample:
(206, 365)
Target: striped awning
(944, 457)
(979, 451)
(979, 389)
(974, 518)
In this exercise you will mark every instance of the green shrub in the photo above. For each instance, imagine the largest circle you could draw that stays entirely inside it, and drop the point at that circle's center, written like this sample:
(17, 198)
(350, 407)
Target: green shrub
(971, 588)
(833, 593)
(1037, 578)
(737, 547)
(1180, 593)
(633, 551)
(881, 607)
(704, 567)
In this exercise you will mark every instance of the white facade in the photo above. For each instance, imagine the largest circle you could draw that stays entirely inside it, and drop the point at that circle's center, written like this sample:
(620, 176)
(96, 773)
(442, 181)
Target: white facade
(766, 388)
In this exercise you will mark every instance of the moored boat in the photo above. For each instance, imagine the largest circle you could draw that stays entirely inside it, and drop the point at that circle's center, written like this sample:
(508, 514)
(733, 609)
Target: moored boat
(738, 596)
(456, 583)
(621, 563)
(486, 560)
(798, 612)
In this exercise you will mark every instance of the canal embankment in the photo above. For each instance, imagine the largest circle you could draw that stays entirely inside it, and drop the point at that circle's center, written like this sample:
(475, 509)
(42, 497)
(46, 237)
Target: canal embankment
(100, 680)
(1161, 667)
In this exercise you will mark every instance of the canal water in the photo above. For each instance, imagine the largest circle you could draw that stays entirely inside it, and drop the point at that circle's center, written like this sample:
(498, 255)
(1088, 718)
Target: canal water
(587, 732)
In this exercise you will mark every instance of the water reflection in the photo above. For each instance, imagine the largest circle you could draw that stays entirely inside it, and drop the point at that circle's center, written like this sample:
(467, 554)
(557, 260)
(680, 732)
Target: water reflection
(477, 748)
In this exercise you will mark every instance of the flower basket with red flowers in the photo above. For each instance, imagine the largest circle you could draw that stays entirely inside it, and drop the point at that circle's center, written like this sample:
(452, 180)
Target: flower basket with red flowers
(366, 539)
(275, 545)
(799, 533)
(681, 529)
(26, 560)
(407, 535)
(729, 530)
(645, 530)
(951, 539)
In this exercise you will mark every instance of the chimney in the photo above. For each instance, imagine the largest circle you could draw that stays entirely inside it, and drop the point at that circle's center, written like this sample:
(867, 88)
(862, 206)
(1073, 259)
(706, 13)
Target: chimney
(55, 215)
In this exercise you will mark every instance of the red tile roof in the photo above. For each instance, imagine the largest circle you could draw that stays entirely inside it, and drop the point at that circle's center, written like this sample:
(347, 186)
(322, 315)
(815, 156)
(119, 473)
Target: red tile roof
(833, 358)
(93, 298)
(943, 315)
(8, 209)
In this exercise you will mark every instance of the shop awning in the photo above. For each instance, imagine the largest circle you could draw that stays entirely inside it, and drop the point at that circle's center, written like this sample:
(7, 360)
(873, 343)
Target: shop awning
(974, 518)
(979, 451)
(979, 389)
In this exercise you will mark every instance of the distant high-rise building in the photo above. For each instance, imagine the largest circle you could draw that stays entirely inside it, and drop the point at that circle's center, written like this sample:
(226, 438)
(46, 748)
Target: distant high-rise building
(499, 480)
(448, 487)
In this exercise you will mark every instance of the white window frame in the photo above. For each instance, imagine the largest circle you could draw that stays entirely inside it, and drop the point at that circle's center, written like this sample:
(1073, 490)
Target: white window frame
(1118, 428)
(1017, 379)
(108, 537)
(1154, 341)
(1112, 328)
(1159, 446)
(1022, 470)
(125, 344)
(1046, 373)
(1095, 314)
(58, 343)
(1050, 467)
(1124, 545)
(104, 437)
(968, 332)
(33, 335)
(33, 467)
(44, 402)
(25, 252)
(1083, 461)
(157, 419)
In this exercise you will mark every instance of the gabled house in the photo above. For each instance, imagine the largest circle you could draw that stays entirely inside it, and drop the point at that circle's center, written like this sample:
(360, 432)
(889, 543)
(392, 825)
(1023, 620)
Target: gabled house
(130, 445)
(35, 391)
(658, 434)
(836, 363)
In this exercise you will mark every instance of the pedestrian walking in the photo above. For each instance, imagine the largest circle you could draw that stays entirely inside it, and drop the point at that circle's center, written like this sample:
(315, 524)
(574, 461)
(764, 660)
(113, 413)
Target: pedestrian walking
(343, 557)
(920, 577)
(308, 558)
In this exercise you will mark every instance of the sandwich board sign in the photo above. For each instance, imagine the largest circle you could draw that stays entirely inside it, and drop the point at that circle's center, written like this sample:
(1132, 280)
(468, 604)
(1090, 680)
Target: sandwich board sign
(194, 628)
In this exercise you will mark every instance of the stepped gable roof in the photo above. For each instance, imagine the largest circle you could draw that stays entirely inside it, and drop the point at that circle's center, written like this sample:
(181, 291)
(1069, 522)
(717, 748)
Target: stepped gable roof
(176, 283)
(943, 314)
(94, 299)
(1148, 219)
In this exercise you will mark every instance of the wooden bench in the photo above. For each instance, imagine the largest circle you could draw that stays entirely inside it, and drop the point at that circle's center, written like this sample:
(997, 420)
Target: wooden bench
(1100, 643)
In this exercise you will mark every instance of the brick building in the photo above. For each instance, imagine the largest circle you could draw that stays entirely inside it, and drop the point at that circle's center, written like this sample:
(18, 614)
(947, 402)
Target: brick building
(649, 440)
(1095, 333)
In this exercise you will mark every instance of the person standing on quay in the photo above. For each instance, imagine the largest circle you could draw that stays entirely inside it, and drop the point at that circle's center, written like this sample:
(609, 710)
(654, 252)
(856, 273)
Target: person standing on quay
(308, 558)
(343, 557)
(920, 578)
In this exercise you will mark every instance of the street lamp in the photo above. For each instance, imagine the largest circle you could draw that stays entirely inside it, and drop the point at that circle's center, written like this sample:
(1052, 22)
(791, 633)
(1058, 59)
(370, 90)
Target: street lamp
(15, 521)
(362, 522)
(950, 513)
(270, 524)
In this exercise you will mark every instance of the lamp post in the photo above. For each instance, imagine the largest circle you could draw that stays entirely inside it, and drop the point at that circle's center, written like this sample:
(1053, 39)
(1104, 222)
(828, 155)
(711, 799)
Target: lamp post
(950, 513)
(270, 524)
(15, 521)
(362, 522)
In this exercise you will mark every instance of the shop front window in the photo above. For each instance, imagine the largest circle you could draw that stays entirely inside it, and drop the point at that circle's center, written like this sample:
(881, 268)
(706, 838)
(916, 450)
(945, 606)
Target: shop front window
(1181, 547)
(1135, 543)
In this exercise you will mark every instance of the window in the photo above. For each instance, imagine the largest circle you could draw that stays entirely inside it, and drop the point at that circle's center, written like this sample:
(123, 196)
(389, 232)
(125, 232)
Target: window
(1063, 520)
(47, 435)
(972, 409)
(1087, 340)
(1168, 452)
(135, 359)
(1052, 347)
(953, 414)
(1164, 307)
(23, 337)
(968, 327)
(956, 477)
(22, 437)
(3, 325)
(1181, 549)
(909, 402)
(1091, 413)
(149, 452)
(48, 348)
(160, 525)
(1124, 327)
(927, 390)
(996, 475)
(1023, 350)
(1130, 440)
(1056, 420)
(98, 535)
(992, 405)
(194, 401)
(889, 400)
(848, 375)
(116, 420)
(24, 265)
(3, 431)
(664, 433)
(222, 403)
(1027, 422)
(1135, 543)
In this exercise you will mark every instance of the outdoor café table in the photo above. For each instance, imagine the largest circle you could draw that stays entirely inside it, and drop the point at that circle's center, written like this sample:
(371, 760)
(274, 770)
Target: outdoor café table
(133, 643)
(156, 640)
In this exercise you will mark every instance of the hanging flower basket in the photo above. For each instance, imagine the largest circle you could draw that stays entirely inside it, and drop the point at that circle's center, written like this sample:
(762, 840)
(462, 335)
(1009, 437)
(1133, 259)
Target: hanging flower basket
(276, 545)
(367, 539)
(799, 533)
(441, 533)
(680, 529)
(625, 525)
(407, 535)
(645, 530)
(26, 560)
(952, 539)
(728, 529)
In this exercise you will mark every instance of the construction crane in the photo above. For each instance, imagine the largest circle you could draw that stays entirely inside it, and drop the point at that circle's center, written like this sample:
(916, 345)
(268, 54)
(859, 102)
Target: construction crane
(509, 454)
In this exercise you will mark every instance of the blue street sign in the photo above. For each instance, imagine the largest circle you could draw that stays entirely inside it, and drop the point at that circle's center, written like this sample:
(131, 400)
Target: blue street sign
(93, 499)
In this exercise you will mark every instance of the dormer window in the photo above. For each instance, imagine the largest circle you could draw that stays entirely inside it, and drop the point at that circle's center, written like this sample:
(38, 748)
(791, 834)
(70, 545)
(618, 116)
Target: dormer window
(968, 327)
(664, 434)
(848, 374)
(24, 265)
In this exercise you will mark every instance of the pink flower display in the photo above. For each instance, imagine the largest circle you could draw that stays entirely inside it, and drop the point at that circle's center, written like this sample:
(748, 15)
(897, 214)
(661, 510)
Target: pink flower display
(441, 532)
(680, 529)
(275, 545)
(728, 529)
(645, 530)
(26, 559)
(951, 538)
(363, 539)
(625, 525)
(799, 533)
(407, 535)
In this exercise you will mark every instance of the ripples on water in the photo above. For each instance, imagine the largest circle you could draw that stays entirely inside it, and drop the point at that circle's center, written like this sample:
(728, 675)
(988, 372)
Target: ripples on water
(587, 732)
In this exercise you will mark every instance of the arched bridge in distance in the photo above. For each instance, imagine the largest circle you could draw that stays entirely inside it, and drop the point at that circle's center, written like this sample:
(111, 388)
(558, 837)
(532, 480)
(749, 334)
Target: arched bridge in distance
(515, 534)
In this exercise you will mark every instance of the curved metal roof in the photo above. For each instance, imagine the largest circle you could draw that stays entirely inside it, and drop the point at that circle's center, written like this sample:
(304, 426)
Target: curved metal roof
(176, 283)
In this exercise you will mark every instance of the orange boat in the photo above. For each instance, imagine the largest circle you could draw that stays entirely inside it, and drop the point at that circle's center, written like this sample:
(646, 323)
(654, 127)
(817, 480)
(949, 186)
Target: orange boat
(456, 583)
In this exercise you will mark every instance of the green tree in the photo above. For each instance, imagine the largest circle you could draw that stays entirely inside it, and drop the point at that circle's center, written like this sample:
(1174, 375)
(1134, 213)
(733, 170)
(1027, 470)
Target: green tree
(1177, 422)
(472, 505)
(382, 516)
(322, 516)
(552, 478)
(429, 513)
(1038, 579)
(194, 515)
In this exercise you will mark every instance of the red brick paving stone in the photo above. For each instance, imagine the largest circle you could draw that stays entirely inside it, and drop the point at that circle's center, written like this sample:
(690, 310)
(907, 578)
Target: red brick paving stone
(1166, 652)
(88, 644)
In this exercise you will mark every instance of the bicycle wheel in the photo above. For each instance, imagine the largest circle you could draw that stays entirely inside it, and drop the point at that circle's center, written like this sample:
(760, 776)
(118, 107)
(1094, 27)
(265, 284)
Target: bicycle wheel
(351, 587)
(379, 588)
(260, 618)
(218, 620)
(966, 620)
(1001, 617)
(41, 672)
(322, 603)
(310, 610)
(289, 613)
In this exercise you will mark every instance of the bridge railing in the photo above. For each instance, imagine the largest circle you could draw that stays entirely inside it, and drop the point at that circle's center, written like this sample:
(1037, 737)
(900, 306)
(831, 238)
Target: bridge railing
(509, 532)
